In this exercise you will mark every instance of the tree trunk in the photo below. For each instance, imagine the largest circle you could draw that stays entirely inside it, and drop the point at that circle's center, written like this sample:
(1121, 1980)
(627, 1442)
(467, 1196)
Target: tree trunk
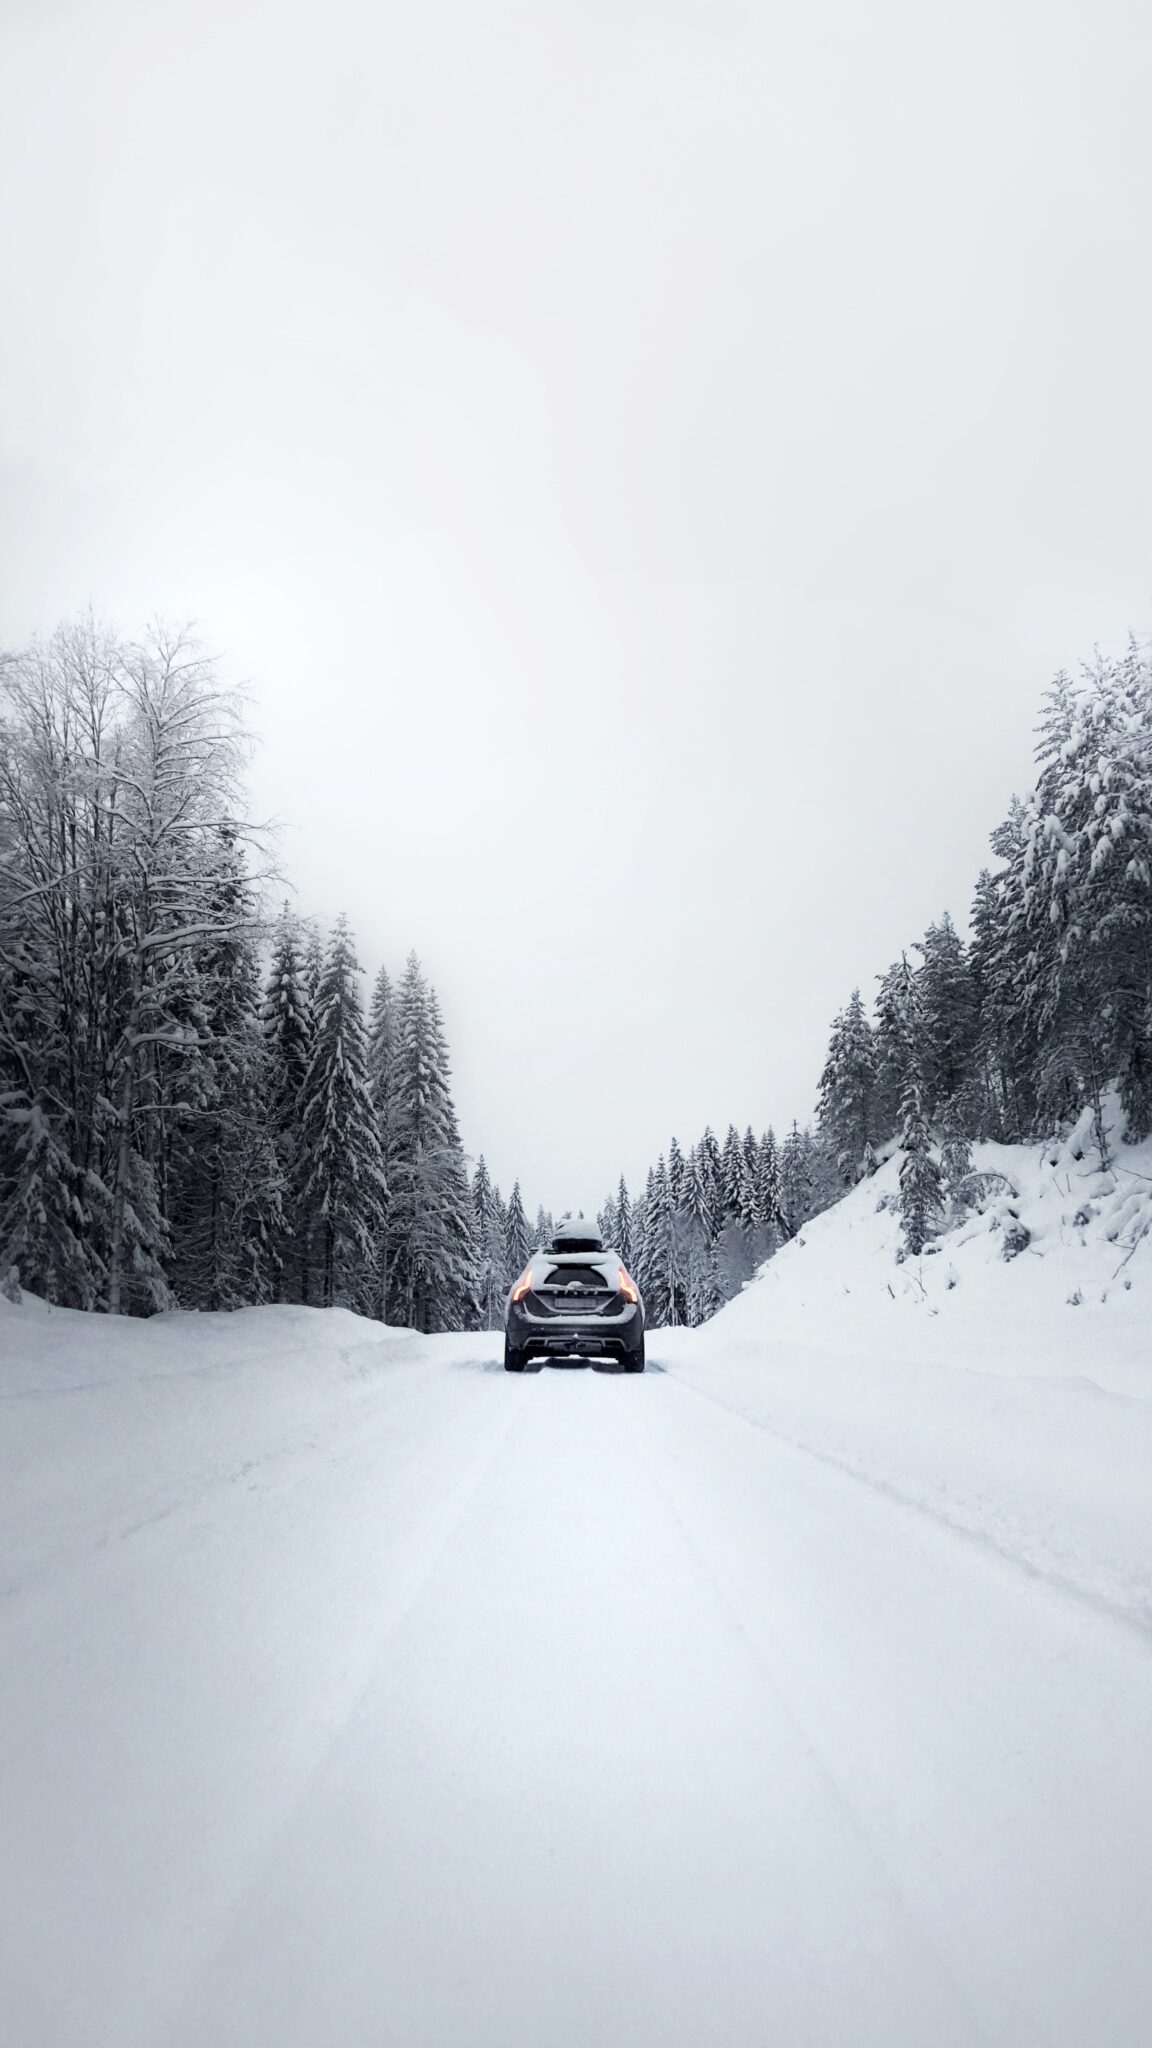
(120, 1183)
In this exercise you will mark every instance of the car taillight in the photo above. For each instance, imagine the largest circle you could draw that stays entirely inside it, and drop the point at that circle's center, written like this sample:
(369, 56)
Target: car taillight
(627, 1286)
(522, 1285)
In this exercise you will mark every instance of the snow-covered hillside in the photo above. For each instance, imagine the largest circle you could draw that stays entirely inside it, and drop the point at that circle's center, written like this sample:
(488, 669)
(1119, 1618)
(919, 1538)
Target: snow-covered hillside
(798, 1691)
(1048, 1271)
(1002, 1382)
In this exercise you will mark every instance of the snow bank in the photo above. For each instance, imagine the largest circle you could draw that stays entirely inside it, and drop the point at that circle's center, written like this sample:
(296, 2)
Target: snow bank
(1075, 1299)
(1009, 1396)
(98, 1412)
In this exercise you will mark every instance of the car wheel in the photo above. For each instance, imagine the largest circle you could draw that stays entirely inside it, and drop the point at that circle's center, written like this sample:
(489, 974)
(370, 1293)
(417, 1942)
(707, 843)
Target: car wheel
(634, 1362)
(513, 1360)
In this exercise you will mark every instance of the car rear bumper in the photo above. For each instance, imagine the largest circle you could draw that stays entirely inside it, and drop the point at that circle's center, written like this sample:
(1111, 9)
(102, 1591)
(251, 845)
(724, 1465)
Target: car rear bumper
(616, 1336)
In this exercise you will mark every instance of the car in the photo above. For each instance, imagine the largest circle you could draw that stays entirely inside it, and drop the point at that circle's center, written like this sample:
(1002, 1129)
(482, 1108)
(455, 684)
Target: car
(574, 1299)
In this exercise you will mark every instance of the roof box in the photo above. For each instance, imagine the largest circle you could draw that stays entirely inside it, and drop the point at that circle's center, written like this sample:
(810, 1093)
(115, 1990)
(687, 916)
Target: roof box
(576, 1234)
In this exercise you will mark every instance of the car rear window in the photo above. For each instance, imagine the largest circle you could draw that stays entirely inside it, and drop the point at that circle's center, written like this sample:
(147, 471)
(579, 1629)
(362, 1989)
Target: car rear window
(581, 1279)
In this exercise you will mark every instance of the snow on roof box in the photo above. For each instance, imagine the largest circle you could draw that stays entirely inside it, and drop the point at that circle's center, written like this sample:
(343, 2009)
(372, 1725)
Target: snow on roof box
(576, 1234)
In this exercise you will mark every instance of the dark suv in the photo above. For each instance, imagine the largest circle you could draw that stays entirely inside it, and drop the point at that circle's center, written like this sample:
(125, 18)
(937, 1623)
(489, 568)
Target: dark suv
(574, 1300)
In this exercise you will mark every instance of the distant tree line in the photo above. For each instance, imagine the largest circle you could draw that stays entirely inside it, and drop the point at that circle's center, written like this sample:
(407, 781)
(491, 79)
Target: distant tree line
(708, 1218)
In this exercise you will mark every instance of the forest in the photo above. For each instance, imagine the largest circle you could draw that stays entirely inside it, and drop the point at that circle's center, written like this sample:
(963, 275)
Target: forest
(199, 1109)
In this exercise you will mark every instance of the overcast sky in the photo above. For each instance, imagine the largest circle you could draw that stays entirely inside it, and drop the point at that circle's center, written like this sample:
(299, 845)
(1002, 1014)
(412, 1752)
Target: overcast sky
(647, 459)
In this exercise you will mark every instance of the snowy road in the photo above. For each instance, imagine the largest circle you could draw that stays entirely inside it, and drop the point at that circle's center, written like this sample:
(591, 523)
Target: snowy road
(407, 1702)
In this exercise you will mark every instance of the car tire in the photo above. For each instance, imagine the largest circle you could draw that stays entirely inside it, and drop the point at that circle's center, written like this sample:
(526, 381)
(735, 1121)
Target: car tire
(513, 1360)
(634, 1362)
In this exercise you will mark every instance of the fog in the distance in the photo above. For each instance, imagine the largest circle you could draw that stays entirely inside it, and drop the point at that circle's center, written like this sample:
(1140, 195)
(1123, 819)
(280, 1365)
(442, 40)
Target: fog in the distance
(647, 460)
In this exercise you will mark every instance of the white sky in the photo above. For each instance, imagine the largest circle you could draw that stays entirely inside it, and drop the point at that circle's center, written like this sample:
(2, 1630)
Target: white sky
(647, 459)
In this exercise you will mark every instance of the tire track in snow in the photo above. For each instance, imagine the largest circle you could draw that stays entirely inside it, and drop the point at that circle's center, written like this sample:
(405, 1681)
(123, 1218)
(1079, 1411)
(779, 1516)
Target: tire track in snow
(759, 1654)
(1133, 1615)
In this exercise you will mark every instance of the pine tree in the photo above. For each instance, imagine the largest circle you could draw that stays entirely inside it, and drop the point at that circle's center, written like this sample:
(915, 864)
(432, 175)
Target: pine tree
(382, 1032)
(45, 1224)
(795, 1180)
(313, 963)
(703, 1294)
(674, 1170)
(890, 1072)
(697, 1193)
(844, 1114)
(516, 1245)
(500, 1226)
(733, 1177)
(768, 1185)
(624, 1231)
(712, 1177)
(434, 1258)
(1004, 962)
(993, 1118)
(287, 1022)
(951, 1017)
(489, 1227)
(344, 1188)
(751, 1215)
(224, 1181)
(652, 1260)
(288, 1044)
(1088, 887)
(920, 1188)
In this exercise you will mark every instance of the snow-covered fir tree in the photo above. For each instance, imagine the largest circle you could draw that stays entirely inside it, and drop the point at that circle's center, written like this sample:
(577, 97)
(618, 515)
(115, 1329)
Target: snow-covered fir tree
(343, 1189)
(712, 1175)
(951, 1017)
(751, 1214)
(288, 1044)
(674, 1172)
(844, 1112)
(382, 1031)
(698, 1194)
(1088, 887)
(652, 1250)
(733, 1177)
(796, 1179)
(432, 1284)
(920, 1183)
(46, 1221)
(516, 1245)
(768, 1184)
(489, 1223)
(624, 1236)
(225, 1182)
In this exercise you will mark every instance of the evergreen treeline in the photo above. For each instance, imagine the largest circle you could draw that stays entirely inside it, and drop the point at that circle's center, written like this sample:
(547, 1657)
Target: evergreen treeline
(1014, 1034)
(178, 1127)
(708, 1218)
(503, 1241)
(1009, 1036)
(180, 1124)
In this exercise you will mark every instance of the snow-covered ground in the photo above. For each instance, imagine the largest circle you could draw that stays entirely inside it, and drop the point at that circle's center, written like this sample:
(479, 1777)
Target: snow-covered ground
(798, 1692)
